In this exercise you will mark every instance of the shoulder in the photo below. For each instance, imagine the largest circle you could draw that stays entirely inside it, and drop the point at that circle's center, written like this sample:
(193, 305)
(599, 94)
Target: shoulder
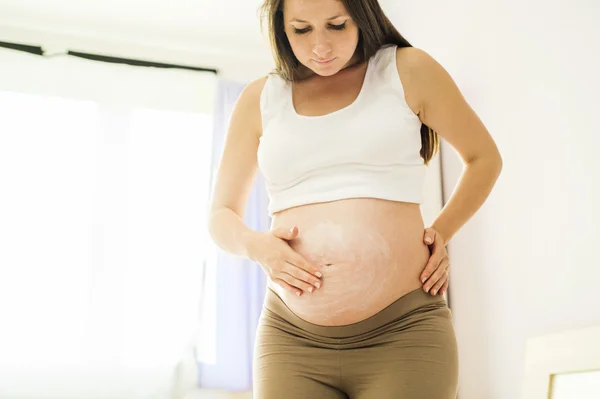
(248, 104)
(259, 91)
(422, 75)
(411, 54)
(409, 63)
(254, 89)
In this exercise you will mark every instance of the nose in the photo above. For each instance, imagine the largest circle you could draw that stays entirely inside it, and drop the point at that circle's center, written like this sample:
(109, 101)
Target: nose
(321, 47)
(321, 51)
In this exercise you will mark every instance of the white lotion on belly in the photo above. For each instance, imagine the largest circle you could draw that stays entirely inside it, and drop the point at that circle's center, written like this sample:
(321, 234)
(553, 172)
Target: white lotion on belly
(350, 283)
(325, 241)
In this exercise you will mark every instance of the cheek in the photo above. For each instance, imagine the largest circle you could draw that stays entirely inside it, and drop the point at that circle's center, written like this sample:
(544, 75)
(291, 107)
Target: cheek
(345, 46)
(351, 38)
(345, 42)
(296, 43)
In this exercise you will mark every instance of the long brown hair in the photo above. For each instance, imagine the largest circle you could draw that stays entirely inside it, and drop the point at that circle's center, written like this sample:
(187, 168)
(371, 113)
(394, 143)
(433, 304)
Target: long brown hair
(375, 31)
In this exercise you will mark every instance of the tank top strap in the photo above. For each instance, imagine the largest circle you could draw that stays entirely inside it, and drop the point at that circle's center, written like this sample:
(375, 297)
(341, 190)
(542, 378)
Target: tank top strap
(385, 74)
(383, 63)
(273, 95)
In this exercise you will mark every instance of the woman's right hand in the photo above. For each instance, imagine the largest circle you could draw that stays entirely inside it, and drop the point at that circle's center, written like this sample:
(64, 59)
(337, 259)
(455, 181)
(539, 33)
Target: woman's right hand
(282, 264)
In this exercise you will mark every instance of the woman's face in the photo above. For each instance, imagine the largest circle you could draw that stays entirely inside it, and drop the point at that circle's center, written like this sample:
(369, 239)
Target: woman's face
(321, 33)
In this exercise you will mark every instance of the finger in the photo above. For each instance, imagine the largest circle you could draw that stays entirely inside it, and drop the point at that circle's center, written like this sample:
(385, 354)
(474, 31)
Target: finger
(438, 285)
(285, 233)
(294, 282)
(431, 266)
(288, 287)
(429, 236)
(301, 274)
(437, 274)
(299, 261)
(437, 254)
(444, 287)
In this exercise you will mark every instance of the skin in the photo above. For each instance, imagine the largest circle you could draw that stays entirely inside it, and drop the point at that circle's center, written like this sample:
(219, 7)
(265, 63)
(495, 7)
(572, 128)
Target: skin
(370, 251)
(321, 31)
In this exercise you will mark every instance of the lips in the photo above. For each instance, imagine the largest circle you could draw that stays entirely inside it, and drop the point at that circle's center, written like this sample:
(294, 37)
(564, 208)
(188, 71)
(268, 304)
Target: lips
(325, 61)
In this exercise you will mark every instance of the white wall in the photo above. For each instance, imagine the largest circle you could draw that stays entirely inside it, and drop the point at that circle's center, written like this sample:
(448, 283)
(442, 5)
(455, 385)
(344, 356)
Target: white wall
(222, 34)
(107, 83)
(236, 60)
(527, 263)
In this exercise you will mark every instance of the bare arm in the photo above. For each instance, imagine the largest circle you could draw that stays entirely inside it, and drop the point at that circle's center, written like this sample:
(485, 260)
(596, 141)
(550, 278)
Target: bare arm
(443, 108)
(236, 174)
(234, 181)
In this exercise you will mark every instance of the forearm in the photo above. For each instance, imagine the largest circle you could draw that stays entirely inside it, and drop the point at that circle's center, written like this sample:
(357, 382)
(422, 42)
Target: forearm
(229, 232)
(471, 191)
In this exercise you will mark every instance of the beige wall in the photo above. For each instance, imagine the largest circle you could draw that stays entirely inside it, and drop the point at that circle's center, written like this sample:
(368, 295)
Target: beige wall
(527, 263)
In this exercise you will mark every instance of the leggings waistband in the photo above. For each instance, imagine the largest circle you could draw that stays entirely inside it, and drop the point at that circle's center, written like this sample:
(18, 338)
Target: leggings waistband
(402, 306)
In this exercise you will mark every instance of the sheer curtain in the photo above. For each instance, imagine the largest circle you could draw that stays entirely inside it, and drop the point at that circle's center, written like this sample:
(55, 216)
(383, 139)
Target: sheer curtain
(235, 287)
(104, 176)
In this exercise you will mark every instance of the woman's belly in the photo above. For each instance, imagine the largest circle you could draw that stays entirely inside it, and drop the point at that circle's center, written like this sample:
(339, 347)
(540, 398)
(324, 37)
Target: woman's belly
(370, 251)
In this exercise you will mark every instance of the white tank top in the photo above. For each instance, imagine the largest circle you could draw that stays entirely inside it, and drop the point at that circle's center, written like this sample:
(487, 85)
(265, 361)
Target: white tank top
(369, 149)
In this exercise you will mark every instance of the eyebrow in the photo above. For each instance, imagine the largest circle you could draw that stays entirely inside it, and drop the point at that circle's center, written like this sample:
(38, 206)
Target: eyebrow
(306, 22)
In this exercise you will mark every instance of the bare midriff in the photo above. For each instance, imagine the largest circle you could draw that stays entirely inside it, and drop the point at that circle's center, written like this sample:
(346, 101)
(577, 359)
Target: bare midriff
(370, 251)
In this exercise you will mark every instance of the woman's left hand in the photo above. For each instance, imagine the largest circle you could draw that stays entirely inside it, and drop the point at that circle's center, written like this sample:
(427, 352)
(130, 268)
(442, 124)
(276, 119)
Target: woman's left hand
(435, 274)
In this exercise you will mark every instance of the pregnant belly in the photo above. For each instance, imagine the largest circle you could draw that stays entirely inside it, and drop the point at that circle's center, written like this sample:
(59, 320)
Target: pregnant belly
(370, 252)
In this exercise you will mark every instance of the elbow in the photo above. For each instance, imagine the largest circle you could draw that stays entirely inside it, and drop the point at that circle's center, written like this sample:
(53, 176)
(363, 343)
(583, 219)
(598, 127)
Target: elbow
(217, 218)
(494, 162)
(212, 222)
(499, 164)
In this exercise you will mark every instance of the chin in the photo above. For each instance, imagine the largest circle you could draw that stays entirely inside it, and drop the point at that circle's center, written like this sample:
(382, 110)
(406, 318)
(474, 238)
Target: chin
(325, 73)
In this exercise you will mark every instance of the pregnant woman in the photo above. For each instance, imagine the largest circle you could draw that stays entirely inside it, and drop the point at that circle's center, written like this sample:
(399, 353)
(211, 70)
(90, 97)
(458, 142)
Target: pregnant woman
(343, 131)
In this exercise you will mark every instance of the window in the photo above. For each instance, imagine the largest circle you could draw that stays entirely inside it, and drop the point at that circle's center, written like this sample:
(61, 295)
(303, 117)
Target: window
(103, 235)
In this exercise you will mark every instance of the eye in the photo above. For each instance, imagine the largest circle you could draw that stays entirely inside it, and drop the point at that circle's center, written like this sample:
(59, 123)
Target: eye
(333, 27)
(301, 31)
(338, 27)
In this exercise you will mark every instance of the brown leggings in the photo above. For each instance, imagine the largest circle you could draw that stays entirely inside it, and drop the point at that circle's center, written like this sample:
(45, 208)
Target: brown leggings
(407, 351)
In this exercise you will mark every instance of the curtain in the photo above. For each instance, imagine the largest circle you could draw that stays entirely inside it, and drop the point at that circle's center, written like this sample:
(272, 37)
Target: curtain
(104, 173)
(234, 305)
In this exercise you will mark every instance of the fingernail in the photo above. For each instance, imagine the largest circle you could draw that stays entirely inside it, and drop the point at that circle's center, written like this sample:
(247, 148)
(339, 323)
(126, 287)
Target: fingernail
(319, 274)
(424, 279)
(434, 292)
(427, 289)
(297, 293)
(318, 285)
(427, 239)
(310, 289)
